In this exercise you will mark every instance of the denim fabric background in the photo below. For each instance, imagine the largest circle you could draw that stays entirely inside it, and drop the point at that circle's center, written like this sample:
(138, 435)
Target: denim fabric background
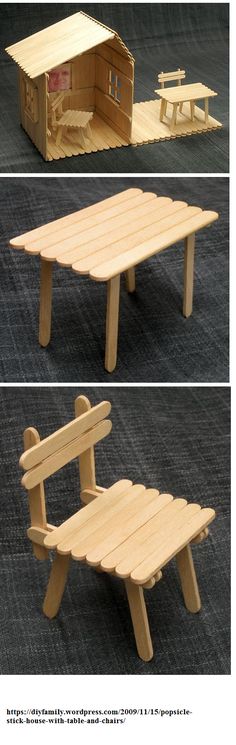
(156, 343)
(175, 439)
(161, 36)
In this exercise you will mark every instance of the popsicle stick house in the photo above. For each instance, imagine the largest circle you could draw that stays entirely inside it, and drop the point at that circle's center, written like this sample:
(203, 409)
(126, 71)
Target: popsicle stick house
(76, 81)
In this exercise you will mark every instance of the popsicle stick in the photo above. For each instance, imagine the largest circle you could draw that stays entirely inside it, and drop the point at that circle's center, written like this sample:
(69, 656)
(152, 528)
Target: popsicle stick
(56, 585)
(45, 309)
(130, 279)
(112, 322)
(188, 580)
(139, 618)
(188, 275)
(36, 497)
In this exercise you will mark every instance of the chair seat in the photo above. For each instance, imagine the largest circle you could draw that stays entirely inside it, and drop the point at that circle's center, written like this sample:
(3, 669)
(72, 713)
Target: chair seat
(130, 530)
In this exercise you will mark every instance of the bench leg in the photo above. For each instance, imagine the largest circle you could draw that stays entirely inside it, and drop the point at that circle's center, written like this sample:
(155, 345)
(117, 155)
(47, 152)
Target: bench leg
(206, 110)
(174, 115)
(139, 618)
(112, 322)
(130, 279)
(56, 585)
(45, 308)
(188, 275)
(188, 579)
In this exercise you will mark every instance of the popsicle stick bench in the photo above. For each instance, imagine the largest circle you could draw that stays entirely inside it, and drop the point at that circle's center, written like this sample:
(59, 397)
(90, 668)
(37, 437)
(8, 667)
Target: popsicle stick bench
(109, 238)
(126, 530)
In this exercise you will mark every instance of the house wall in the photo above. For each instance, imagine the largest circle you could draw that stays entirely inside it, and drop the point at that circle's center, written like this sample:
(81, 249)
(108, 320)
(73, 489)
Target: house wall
(35, 126)
(117, 115)
(82, 95)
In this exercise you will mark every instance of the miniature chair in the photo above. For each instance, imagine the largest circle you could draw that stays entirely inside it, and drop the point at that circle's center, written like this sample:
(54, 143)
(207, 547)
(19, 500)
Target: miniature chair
(169, 77)
(126, 530)
(70, 118)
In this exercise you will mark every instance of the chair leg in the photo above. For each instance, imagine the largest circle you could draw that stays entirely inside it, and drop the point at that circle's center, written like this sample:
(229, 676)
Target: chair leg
(56, 585)
(130, 279)
(188, 579)
(112, 322)
(188, 275)
(45, 309)
(139, 618)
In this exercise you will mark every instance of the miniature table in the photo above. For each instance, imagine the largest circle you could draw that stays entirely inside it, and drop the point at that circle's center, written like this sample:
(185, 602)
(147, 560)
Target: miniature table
(178, 94)
(75, 120)
(126, 530)
(109, 238)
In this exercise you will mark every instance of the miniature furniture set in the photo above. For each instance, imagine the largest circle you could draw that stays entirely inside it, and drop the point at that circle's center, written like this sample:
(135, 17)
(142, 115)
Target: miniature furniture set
(126, 530)
(109, 238)
(179, 94)
(93, 69)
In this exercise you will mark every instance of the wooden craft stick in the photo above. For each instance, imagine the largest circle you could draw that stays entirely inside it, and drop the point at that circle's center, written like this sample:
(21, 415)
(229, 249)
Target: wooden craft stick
(36, 497)
(56, 585)
(188, 579)
(112, 322)
(130, 279)
(45, 309)
(188, 275)
(87, 458)
(139, 618)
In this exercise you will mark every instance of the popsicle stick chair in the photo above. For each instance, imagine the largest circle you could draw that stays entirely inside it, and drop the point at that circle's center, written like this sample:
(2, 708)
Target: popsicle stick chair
(126, 530)
(73, 119)
(169, 77)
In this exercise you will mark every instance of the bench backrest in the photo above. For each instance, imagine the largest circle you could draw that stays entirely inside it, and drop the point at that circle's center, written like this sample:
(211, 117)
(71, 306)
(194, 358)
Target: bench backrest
(169, 77)
(67, 443)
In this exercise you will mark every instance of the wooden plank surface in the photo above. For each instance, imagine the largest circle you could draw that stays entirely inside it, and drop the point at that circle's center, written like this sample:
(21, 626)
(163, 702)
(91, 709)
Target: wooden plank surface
(76, 217)
(109, 269)
(170, 547)
(76, 521)
(185, 92)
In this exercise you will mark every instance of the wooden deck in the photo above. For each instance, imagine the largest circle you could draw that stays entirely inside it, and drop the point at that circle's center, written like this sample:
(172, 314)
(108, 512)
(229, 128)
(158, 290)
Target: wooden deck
(146, 128)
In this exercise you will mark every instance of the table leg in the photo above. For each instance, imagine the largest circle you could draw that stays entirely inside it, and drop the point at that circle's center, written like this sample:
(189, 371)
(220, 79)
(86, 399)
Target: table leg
(112, 322)
(162, 109)
(130, 279)
(59, 135)
(139, 618)
(181, 107)
(192, 108)
(45, 307)
(188, 580)
(174, 115)
(188, 275)
(206, 110)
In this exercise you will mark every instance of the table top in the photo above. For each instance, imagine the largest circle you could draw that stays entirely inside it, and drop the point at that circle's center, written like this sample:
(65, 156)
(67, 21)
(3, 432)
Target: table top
(130, 530)
(181, 93)
(71, 118)
(115, 234)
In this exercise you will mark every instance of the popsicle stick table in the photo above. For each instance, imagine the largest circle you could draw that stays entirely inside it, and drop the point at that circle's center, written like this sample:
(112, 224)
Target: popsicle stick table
(178, 94)
(109, 238)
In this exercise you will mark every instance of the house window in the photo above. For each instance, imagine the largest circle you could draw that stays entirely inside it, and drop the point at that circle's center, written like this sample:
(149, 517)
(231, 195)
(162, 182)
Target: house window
(114, 86)
(31, 100)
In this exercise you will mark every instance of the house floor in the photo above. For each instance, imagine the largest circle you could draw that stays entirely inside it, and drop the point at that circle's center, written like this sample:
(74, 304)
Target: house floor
(146, 128)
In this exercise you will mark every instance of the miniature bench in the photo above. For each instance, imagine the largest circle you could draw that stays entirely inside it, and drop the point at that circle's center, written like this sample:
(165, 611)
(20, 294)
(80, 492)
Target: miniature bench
(109, 238)
(125, 530)
(179, 94)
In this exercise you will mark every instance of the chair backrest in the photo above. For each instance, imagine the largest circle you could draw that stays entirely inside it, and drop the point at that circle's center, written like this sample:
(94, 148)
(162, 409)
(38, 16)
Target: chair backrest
(168, 77)
(67, 443)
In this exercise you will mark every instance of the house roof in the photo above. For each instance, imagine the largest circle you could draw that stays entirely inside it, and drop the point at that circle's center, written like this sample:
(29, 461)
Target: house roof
(62, 41)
